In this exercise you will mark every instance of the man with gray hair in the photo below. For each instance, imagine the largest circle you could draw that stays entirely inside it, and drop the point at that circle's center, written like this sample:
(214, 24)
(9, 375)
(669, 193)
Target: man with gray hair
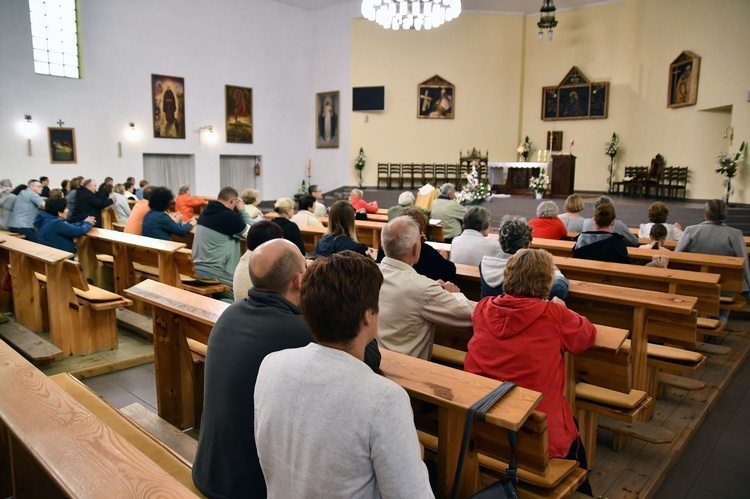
(411, 305)
(473, 243)
(619, 227)
(449, 211)
(405, 200)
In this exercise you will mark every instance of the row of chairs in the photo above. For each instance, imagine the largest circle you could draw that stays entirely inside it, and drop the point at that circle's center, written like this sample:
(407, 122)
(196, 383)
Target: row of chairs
(667, 183)
(415, 175)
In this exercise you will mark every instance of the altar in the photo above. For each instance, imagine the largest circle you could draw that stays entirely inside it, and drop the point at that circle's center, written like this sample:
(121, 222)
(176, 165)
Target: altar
(514, 175)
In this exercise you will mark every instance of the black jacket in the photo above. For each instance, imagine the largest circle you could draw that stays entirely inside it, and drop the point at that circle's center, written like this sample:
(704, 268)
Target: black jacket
(89, 204)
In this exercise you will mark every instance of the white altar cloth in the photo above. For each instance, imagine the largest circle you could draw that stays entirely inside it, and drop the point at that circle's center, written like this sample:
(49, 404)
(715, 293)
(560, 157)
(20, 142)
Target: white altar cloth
(499, 171)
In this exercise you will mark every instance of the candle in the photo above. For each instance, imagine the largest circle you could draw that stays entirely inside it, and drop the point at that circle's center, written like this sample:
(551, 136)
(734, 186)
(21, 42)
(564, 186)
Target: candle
(309, 167)
(544, 158)
(539, 156)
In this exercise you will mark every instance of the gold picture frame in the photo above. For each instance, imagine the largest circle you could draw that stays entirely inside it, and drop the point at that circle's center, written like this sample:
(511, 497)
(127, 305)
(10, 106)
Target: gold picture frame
(683, 80)
(62, 145)
(327, 120)
(436, 99)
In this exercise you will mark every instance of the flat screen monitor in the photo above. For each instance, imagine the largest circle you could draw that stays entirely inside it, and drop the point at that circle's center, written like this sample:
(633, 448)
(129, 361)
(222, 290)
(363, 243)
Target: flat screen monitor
(368, 99)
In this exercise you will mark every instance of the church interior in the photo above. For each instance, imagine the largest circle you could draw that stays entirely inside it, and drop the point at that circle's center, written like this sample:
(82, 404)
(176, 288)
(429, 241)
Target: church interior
(299, 61)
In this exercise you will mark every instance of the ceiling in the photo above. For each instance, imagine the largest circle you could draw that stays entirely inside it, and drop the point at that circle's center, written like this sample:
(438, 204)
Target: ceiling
(514, 6)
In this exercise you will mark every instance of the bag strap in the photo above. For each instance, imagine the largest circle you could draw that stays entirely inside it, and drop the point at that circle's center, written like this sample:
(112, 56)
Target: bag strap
(480, 409)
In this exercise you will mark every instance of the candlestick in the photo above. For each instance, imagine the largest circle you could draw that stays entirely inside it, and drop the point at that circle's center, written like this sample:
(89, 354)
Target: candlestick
(539, 156)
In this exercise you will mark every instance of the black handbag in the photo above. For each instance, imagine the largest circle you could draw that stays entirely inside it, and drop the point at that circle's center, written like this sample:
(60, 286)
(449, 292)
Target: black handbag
(507, 487)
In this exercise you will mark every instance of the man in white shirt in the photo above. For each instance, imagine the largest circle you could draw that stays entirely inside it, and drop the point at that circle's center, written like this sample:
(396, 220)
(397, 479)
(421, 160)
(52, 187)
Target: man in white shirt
(305, 215)
(320, 209)
(473, 243)
(411, 304)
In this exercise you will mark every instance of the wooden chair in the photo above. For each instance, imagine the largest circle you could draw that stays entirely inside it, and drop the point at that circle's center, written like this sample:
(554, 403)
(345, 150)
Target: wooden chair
(428, 173)
(453, 175)
(407, 172)
(655, 176)
(417, 172)
(678, 187)
(384, 175)
(441, 174)
(394, 175)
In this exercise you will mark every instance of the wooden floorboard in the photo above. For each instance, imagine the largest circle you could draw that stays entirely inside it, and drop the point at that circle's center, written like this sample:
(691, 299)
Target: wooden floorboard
(638, 470)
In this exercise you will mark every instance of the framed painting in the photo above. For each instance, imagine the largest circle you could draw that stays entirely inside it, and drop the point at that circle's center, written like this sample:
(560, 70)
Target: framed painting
(683, 80)
(62, 145)
(168, 106)
(327, 119)
(239, 114)
(554, 138)
(436, 99)
(575, 98)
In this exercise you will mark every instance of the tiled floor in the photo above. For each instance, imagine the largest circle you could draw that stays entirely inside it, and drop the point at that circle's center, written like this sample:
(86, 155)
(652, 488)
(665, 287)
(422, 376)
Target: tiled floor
(716, 463)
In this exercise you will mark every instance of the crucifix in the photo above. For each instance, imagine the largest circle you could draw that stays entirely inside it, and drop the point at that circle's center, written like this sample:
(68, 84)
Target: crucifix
(60, 122)
(426, 100)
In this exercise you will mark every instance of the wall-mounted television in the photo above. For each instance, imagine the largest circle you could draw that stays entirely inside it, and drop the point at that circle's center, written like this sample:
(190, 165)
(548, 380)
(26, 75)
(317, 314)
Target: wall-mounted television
(368, 99)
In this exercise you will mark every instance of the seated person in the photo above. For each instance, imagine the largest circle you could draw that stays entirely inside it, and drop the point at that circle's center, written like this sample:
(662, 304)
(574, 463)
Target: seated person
(157, 223)
(618, 228)
(362, 426)
(320, 209)
(251, 198)
(405, 200)
(285, 208)
(572, 219)
(54, 231)
(342, 233)
(547, 225)
(305, 214)
(602, 244)
(657, 214)
(449, 211)
(514, 234)
(356, 198)
(432, 263)
(259, 233)
(714, 237)
(473, 243)
(134, 225)
(521, 337)
(186, 203)
(412, 304)
(121, 205)
(658, 236)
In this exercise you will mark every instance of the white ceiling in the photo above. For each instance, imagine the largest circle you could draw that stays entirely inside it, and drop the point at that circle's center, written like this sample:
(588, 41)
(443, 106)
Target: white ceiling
(524, 6)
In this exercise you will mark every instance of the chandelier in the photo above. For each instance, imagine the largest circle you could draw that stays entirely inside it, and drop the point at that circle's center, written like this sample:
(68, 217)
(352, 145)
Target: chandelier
(547, 19)
(410, 14)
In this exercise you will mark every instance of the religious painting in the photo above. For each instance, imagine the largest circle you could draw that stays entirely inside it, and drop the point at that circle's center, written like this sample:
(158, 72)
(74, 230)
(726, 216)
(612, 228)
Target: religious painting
(555, 139)
(239, 114)
(436, 99)
(575, 98)
(168, 106)
(62, 145)
(327, 120)
(683, 80)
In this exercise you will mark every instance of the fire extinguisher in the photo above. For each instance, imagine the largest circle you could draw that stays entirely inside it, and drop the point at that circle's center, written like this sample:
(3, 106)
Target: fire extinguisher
(257, 169)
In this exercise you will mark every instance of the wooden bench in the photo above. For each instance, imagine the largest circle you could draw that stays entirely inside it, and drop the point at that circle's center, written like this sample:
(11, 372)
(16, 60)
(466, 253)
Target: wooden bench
(669, 243)
(53, 445)
(182, 323)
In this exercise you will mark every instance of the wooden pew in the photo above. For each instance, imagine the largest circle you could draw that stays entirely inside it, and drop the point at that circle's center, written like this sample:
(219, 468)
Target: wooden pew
(671, 244)
(440, 395)
(53, 446)
(644, 313)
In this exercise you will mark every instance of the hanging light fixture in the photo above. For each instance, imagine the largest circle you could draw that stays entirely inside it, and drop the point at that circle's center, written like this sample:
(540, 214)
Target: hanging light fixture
(547, 19)
(410, 14)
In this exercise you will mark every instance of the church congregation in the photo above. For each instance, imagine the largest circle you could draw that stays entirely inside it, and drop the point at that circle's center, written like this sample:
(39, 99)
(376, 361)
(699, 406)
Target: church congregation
(334, 337)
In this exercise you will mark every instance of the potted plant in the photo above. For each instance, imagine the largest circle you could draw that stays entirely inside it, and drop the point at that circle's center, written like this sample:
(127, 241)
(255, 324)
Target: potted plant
(726, 164)
(359, 165)
(539, 184)
(610, 150)
(475, 194)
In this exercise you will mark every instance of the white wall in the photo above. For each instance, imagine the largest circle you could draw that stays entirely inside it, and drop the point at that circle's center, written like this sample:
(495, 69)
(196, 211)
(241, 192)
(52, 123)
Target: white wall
(210, 44)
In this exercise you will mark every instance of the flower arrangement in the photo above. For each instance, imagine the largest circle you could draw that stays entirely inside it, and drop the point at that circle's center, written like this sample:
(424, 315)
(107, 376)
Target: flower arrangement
(539, 184)
(726, 164)
(359, 165)
(301, 191)
(524, 148)
(474, 195)
(612, 146)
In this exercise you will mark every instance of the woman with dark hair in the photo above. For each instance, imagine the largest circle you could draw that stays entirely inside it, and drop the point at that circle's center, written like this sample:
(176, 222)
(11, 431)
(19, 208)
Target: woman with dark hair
(157, 223)
(342, 233)
(54, 231)
(65, 185)
(7, 202)
(602, 244)
(522, 336)
(658, 235)
(259, 233)
(514, 234)
(432, 263)
(714, 237)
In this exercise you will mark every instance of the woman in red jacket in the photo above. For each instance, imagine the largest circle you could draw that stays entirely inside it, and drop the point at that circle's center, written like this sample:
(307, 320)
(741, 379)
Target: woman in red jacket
(521, 337)
(547, 225)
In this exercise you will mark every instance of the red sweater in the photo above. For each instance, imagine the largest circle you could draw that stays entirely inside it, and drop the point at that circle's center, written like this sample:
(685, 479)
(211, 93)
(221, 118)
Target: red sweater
(548, 228)
(360, 203)
(522, 340)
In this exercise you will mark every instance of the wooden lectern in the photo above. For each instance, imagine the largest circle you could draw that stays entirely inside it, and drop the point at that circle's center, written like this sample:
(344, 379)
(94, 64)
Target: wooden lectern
(563, 175)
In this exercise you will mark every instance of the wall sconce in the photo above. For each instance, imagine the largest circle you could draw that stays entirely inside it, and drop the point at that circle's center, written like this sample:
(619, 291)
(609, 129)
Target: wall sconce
(27, 117)
(729, 134)
(207, 134)
(27, 128)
